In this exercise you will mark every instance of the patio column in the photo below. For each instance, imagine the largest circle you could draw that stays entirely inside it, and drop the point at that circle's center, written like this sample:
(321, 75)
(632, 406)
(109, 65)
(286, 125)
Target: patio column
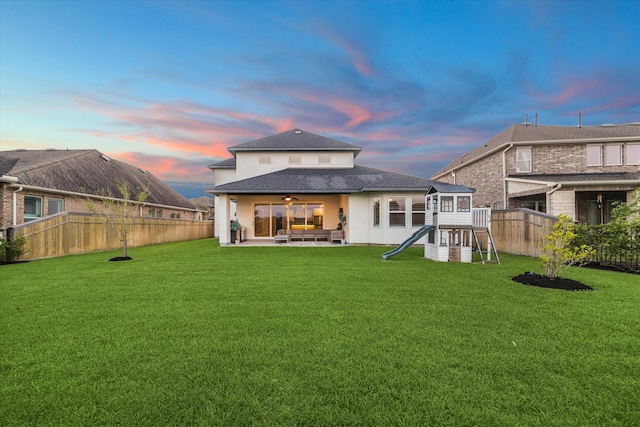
(223, 216)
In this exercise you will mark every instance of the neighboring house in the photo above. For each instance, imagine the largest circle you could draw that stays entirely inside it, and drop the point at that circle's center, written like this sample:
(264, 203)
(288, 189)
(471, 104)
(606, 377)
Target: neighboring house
(39, 183)
(297, 180)
(577, 171)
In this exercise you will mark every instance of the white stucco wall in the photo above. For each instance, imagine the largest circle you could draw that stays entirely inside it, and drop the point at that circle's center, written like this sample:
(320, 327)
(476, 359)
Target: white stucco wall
(248, 164)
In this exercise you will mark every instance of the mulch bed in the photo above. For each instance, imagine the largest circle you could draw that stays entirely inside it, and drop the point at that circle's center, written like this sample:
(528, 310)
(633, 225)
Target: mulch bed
(541, 281)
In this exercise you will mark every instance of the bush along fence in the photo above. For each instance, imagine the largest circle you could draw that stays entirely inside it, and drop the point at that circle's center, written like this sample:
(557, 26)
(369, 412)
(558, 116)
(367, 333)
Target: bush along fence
(75, 233)
(615, 245)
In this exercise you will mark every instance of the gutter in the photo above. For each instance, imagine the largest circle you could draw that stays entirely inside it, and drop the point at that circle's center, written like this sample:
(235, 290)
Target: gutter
(504, 176)
(93, 196)
(549, 193)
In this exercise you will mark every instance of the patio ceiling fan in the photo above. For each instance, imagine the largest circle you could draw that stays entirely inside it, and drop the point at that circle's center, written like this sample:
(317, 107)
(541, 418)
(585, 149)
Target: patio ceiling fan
(289, 198)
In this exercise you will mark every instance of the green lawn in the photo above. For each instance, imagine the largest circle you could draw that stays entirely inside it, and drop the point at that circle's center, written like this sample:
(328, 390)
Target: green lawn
(194, 334)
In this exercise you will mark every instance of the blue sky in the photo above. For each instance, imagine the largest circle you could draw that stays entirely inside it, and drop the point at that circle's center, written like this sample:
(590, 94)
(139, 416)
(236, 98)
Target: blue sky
(169, 85)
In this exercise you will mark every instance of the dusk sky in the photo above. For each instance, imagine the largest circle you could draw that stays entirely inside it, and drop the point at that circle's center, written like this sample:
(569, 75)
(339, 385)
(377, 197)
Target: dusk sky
(168, 86)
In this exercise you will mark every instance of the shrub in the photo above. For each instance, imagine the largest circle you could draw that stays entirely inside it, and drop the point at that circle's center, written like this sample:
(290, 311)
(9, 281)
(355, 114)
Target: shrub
(12, 249)
(558, 251)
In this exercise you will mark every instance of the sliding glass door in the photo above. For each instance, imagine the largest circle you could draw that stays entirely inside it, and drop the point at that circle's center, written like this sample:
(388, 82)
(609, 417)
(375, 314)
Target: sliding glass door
(269, 218)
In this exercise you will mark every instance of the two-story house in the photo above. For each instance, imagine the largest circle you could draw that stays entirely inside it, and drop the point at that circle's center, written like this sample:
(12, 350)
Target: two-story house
(297, 180)
(39, 183)
(577, 171)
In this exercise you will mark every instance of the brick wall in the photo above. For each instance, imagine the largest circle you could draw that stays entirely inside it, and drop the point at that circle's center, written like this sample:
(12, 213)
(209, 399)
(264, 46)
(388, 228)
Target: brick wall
(485, 175)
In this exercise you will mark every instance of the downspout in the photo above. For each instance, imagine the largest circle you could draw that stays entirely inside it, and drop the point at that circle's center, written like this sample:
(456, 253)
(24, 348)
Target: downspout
(504, 176)
(15, 206)
(549, 193)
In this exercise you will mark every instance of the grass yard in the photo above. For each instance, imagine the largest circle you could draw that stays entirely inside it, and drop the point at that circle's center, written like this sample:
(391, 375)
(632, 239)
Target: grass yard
(194, 334)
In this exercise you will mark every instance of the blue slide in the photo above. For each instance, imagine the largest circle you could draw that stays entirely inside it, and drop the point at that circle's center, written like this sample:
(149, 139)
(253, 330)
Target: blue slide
(410, 241)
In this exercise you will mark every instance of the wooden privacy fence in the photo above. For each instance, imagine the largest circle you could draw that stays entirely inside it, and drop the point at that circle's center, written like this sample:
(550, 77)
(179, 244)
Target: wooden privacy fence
(520, 231)
(75, 233)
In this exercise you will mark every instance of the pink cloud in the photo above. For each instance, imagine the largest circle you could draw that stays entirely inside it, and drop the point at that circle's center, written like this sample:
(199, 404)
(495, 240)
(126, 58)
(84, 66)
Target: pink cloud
(168, 168)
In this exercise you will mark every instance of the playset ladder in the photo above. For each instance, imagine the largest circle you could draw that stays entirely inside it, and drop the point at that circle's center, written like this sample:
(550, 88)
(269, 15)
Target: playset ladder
(491, 248)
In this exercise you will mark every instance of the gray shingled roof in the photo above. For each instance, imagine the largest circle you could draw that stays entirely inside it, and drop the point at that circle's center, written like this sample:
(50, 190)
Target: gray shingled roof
(224, 164)
(84, 171)
(582, 177)
(295, 140)
(330, 180)
(530, 134)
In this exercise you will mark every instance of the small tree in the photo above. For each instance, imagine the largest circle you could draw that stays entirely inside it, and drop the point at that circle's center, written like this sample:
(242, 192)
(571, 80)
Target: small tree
(11, 249)
(118, 213)
(558, 252)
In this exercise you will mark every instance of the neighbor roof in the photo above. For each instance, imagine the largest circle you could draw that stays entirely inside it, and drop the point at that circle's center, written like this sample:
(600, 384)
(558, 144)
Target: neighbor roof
(523, 134)
(329, 180)
(86, 172)
(295, 140)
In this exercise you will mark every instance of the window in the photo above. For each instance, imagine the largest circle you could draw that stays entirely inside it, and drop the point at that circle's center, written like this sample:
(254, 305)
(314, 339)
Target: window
(633, 154)
(376, 212)
(540, 206)
(264, 159)
(613, 154)
(594, 155)
(417, 211)
(443, 237)
(428, 206)
(54, 206)
(464, 203)
(295, 159)
(324, 158)
(152, 213)
(158, 213)
(32, 207)
(397, 211)
(446, 204)
(523, 159)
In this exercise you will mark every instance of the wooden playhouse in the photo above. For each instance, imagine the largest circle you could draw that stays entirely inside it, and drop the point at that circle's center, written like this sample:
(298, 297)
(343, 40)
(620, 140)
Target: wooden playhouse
(458, 227)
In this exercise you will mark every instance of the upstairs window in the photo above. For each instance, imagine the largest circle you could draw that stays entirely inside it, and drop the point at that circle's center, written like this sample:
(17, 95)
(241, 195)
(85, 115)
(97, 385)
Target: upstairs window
(264, 159)
(523, 159)
(613, 154)
(324, 159)
(32, 207)
(295, 159)
(633, 154)
(594, 155)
